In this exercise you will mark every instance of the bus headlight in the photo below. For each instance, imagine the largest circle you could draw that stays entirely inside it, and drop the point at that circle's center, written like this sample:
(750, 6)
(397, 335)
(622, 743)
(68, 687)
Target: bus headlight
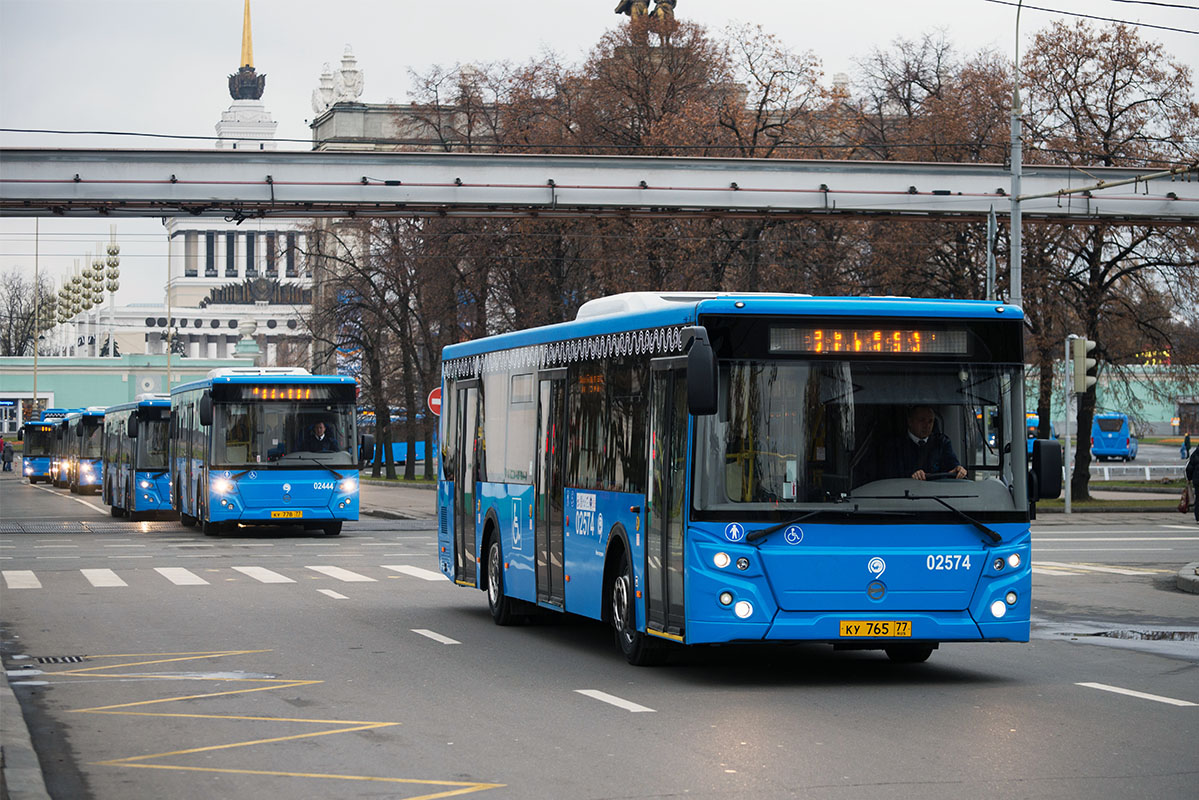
(726, 598)
(1013, 560)
(349, 485)
(86, 468)
(998, 609)
(721, 560)
(1010, 598)
(145, 484)
(222, 486)
(743, 609)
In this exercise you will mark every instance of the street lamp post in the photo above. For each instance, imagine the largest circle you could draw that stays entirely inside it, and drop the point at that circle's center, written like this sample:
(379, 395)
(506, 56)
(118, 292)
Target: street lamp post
(98, 296)
(114, 273)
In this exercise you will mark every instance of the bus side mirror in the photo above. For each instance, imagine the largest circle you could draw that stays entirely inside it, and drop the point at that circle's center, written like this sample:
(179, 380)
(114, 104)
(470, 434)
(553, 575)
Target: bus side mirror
(206, 409)
(132, 427)
(701, 372)
(1045, 470)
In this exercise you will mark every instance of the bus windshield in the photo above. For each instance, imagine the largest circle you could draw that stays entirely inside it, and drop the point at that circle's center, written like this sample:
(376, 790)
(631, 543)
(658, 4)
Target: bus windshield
(152, 438)
(93, 437)
(38, 442)
(292, 433)
(796, 435)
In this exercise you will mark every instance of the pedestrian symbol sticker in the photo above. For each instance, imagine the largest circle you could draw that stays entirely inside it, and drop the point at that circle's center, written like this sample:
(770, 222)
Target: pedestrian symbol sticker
(734, 532)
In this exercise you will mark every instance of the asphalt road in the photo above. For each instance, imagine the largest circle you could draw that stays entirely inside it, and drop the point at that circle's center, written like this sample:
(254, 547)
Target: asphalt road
(154, 662)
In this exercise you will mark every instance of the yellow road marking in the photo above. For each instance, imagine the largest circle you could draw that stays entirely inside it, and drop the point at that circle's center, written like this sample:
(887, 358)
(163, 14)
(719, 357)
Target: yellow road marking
(344, 726)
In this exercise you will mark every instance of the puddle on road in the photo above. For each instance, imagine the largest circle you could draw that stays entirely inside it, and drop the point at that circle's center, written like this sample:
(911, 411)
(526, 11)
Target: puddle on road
(1166, 640)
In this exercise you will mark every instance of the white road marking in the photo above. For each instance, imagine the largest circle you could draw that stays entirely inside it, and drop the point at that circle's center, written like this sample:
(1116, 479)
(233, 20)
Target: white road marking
(76, 499)
(416, 572)
(612, 699)
(1092, 568)
(333, 594)
(1102, 549)
(1142, 695)
(1114, 539)
(264, 575)
(102, 577)
(437, 637)
(343, 574)
(180, 576)
(1051, 571)
(21, 578)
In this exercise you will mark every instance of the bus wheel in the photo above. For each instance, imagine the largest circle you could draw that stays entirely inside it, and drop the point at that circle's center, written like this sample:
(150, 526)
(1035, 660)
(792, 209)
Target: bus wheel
(210, 528)
(116, 511)
(187, 520)
(499, 604)
(332, 528)
(909, 653)
(638, 649)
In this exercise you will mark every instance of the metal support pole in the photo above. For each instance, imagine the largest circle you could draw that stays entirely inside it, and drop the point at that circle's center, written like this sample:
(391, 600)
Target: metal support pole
(1066, 393)
(1016, 279)
(37, 316)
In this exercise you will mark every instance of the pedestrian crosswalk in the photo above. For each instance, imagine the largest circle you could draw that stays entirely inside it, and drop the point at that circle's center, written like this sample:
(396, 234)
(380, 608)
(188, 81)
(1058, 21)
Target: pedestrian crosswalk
(182, 576)
(1064, 569)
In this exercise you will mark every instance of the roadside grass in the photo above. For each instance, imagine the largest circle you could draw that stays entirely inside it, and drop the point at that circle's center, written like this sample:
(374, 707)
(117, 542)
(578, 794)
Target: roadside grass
(1098, 505)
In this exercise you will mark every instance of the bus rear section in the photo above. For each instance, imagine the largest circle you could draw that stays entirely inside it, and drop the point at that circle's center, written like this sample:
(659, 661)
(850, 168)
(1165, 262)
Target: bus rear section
(38, 451)
(136, 466)
(777, 505)
(1112, 438)
(266, 447)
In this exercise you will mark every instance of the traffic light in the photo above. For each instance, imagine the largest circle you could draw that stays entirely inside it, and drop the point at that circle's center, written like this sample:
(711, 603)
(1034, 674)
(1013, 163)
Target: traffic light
(1085, 369)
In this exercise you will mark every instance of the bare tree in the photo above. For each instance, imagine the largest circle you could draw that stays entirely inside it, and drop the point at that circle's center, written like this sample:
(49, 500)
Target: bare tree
(18, 327)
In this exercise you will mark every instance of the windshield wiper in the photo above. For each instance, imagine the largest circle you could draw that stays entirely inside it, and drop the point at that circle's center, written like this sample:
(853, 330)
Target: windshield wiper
(758, 535)
(317, 461)
(994, 537)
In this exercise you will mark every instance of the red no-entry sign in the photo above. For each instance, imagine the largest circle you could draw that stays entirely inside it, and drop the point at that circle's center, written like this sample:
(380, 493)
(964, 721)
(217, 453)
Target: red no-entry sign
(435, 401)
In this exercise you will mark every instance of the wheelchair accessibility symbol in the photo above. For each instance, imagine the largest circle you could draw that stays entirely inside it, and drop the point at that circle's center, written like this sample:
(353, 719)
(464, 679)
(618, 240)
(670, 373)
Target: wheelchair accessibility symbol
(793, 535)
(734, 532)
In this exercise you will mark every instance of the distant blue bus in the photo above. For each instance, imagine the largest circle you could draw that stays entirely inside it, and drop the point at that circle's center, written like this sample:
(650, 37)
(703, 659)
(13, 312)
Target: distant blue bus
(1112, 437)
(262, 446)
(38, 450)
(1033, 421)
(83, 443)
(137, 480)
(707, 468)
(59, 452)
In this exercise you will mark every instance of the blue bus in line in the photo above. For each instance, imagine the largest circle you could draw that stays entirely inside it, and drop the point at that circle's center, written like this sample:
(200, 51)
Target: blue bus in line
(38, 450)
(1112, 437)
(264, 446)
(1033, 421)
(82, 443)
(137, 481)
(700, 468)
(57, 417)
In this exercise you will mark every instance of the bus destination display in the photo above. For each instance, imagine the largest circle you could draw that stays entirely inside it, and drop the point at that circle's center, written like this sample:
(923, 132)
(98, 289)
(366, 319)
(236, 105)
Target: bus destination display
(868, 340)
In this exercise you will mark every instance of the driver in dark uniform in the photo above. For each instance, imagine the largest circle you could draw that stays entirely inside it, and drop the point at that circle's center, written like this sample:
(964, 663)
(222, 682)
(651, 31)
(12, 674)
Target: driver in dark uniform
(319, 440)
(922, 451)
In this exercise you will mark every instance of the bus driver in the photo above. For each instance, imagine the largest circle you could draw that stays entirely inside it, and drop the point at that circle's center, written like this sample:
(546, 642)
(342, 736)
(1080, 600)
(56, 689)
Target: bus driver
(922, 451)
(319, 440)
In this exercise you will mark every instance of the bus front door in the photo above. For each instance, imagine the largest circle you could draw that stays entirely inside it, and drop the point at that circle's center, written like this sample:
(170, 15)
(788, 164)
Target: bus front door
(466, 427)
(551, 562)
(664, 505)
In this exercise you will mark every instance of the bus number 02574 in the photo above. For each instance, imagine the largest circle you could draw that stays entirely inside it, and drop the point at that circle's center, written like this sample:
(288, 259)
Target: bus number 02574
(949, 562)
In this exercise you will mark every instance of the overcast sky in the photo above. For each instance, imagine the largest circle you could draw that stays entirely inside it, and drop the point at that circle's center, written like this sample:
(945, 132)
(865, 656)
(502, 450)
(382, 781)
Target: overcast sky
(161, 66)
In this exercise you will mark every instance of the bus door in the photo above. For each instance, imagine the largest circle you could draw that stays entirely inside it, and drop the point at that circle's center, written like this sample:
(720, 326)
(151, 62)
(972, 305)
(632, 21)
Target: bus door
(551, 436)
(664, 503)
(465, 430)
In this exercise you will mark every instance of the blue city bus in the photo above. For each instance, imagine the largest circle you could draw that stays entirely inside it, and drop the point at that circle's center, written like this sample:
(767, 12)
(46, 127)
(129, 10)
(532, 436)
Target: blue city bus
(137, 479)
(709, 468)
(1033, 421)
(1112, 437)
(245, 449)
(83, 441)
(57, 417)
(38, 450)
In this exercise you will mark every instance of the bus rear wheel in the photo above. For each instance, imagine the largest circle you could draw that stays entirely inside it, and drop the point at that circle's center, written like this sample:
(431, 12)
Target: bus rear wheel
(638, 648)
(500, 605)
(909, 653)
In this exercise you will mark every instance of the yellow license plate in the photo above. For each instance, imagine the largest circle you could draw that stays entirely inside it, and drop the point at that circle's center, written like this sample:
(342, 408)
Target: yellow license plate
(875, 629)
(287, 514)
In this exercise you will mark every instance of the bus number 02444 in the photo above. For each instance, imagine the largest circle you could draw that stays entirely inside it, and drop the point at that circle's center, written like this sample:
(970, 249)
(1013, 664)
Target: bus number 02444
(949, 562)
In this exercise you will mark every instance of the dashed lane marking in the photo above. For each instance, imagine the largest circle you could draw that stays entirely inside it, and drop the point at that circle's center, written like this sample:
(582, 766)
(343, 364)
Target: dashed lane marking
(264, 575)
(1157, 698)
(102, 577)
(1096, 568)
(333, 594)
(611, 699)
(435, 636)
(180, 576)
(342, 574)
(92, 506)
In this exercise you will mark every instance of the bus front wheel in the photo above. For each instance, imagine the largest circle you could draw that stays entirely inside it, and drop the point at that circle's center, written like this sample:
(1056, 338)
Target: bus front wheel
(638, 648)
(498, 603)
(332, 528)
(210, 528)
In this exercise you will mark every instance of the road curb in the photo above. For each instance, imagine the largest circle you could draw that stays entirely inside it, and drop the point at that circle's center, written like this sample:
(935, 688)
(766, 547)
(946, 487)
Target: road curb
(396, 485)
(1188, 578)
(22, 771)
(385, 514)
